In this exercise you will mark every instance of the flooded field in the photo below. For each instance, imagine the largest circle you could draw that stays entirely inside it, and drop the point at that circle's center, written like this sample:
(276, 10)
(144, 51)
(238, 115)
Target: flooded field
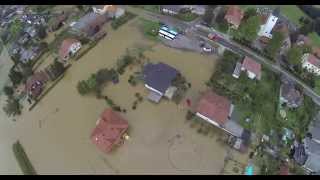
(55, 134)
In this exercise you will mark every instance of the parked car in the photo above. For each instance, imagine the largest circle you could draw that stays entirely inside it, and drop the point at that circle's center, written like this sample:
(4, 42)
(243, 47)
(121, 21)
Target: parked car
(213, 36)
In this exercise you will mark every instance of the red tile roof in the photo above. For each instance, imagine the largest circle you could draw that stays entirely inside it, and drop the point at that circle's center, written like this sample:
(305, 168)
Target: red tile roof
(234, 15)
(109, 130)
(32, 85)
(214, 106)
(65, 46)
(252, 66)
(313, 60)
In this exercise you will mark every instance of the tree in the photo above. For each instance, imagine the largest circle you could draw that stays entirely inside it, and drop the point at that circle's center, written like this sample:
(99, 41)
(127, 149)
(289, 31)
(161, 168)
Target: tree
(317, 25)
(12, 107)
(8, 91)
(83, 87)
(15, 27)
(80, 7)
(26, 70)
(294, 55)
(58, 68)
(275, 44)
(307, 27)
(15, 77)
(208, 15)
(103, 75)
(249, 12)
(43, 46)
(248, 29)
(42, 32)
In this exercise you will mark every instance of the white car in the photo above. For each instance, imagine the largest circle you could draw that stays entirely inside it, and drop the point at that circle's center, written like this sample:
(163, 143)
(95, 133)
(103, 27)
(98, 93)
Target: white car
(207, 49)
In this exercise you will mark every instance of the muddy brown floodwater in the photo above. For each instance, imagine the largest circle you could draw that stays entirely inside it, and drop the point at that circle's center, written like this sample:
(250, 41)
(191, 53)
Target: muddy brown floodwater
(55, 134)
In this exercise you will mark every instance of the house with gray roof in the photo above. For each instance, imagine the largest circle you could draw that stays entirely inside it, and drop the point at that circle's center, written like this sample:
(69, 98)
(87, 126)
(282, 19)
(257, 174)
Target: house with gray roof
(158, 78)
(312, 147)
(26, 55)
(89, 24)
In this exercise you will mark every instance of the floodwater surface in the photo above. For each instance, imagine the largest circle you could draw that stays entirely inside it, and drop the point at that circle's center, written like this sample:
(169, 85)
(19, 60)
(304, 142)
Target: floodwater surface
(55, 134)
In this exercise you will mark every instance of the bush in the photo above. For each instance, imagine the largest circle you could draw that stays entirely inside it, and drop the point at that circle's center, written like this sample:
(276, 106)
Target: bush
(116, 23)
(8, 91)
(189, 115)
(23, 159)
(83, 87)
(13, 107)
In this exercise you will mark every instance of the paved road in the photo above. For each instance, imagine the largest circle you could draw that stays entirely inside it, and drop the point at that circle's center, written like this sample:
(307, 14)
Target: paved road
(226, 42)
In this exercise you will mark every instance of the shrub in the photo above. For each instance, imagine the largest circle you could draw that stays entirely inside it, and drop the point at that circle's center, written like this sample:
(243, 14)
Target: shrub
(8, 91)
(189, 115)
(23, 159)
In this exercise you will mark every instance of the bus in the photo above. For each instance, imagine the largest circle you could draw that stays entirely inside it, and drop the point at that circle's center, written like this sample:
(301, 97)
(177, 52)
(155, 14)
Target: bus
(166, 35)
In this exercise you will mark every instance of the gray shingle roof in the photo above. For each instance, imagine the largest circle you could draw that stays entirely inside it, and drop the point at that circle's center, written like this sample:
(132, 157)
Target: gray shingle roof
(159, 76)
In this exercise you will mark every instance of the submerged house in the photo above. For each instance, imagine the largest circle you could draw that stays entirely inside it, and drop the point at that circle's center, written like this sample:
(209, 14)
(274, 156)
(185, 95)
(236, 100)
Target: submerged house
(110, 130)
(158, 78)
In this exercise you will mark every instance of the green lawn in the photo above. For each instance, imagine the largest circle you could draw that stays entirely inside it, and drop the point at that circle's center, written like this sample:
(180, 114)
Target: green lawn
(315, 38)
(317, 85)
(152, 8)
(292, 12)
(187, 16)
(150, 28)
(253, 99)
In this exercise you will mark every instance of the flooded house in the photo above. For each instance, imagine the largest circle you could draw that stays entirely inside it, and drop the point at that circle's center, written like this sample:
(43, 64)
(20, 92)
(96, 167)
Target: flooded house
(89, 24)
(217, 110)
(110, 131)
(68, 48)
(35, 84)
(158, 79)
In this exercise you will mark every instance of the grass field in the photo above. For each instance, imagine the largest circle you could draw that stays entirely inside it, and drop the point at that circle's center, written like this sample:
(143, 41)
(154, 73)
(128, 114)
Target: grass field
(315, 38)
(292, 12)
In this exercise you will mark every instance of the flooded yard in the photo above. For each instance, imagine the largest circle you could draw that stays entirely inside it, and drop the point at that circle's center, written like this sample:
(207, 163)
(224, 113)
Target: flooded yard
(55, 134)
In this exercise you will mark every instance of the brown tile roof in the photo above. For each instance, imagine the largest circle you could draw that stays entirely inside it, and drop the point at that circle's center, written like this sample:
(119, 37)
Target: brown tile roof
(252, 66)
(214, 106)
(65, 45)
(109, 130)
(234, 15)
